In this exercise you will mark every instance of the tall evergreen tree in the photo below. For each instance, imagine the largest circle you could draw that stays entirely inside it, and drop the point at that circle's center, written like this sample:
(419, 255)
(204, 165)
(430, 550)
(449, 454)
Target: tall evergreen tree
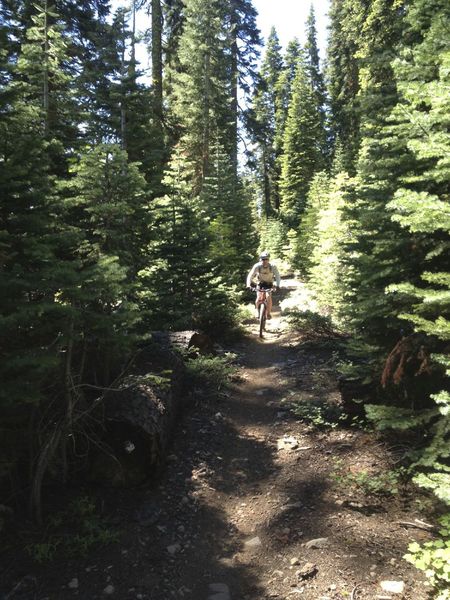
(420, 204)
(301, 147)
(201, 89)
(331, 232)
(346, 23)
(380, 249)
(179, 286)
(244, 42)
(317, 80)
(264, 111)
(283, 96)
(230, 217)
(308, 236)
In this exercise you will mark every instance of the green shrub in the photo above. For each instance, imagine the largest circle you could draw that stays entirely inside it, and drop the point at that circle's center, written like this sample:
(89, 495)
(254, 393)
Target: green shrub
(211, 373)
(311, 323)
(318, 412)
(384, 483)
(73, 532)
(434, 559)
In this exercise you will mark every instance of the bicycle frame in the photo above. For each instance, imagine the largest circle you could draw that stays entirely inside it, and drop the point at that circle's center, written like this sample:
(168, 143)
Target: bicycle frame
(262, 294)
(261, 303)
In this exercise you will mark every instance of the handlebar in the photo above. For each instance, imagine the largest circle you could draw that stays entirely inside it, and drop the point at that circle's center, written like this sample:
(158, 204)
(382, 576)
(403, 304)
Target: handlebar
(256, 288)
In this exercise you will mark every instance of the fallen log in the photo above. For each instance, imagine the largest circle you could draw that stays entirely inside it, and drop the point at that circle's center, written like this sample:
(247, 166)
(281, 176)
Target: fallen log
(138, 418)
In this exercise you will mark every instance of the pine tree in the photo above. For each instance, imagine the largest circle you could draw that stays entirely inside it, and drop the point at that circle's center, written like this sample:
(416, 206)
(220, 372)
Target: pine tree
(283, 96)
(331, 232)
(379, 250)
(32, 270)
(308, 237)
(420, 204)
(244, 41)
(201, 88)
(317, 80)
(180, 289)
(264, 123)
(301, 147)
(346, 23)
(231, 218)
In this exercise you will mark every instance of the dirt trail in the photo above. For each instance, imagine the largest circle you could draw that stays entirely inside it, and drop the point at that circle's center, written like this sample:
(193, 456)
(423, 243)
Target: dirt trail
(247, 489)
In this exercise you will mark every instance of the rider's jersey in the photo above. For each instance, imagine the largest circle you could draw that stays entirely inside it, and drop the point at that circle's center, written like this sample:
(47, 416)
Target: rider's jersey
(264, 274)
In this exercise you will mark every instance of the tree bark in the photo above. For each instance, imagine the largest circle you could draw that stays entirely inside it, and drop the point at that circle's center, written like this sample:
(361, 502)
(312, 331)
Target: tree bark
(157, 70)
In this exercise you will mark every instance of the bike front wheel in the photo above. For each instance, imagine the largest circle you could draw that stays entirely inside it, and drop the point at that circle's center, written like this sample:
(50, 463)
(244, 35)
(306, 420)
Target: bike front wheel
(262, 319)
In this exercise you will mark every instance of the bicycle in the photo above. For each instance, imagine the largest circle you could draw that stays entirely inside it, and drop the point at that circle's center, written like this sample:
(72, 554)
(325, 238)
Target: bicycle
(263, 295)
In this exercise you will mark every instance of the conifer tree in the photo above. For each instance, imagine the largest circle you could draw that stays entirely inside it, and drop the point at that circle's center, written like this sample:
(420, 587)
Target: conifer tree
(330, 235)
(230, 217)
(264, 126)
(420, 205)
(173, 24)
(301, 156)
(379, 249)
(346, 22)
(244, 42)
(317, 80)
(33, 270)
(201, 88)
(308, 236)
(180, 288)
(283, 96)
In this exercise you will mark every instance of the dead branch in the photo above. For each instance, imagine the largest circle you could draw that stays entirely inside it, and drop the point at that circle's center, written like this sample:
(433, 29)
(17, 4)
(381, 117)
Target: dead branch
(418, 525)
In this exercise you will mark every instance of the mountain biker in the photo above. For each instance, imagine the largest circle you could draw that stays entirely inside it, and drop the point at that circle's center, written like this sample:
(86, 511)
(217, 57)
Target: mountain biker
(265, 273)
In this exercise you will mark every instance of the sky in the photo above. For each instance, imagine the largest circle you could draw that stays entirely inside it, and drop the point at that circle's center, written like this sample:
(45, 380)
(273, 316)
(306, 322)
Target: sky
(289, 18)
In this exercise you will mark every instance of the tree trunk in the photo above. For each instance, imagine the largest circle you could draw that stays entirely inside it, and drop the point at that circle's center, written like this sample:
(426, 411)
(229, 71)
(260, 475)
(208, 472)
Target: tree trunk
(234, 92)
(157, 25)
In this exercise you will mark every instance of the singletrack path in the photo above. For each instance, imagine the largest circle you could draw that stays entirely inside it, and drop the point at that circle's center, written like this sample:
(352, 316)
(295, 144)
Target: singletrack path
(249, 507)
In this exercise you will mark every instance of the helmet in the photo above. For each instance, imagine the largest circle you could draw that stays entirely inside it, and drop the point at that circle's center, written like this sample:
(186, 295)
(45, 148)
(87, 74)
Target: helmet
(264, 255)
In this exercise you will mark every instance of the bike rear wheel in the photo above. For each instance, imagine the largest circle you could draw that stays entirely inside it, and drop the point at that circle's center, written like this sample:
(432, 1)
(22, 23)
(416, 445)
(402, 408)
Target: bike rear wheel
(262, 318)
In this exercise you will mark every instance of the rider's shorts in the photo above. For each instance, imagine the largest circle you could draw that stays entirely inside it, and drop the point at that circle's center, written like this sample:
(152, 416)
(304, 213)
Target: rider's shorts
(264, 285)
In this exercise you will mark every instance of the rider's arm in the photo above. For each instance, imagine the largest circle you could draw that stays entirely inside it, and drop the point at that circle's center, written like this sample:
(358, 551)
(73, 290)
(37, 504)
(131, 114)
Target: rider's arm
(251, 275)
(277, 275)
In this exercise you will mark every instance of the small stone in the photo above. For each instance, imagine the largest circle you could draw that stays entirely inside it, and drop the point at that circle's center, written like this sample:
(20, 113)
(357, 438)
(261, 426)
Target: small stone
(287, 443)
(218, 588)
(73, 584)
(109, 590)
(308, 570)
(317, 543)
(173, 549)
(253, 542)
(394, 587)
(294, 561)
(277, 573)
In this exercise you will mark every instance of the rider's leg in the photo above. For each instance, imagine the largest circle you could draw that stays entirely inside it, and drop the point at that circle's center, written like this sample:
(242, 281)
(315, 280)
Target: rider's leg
(269, 305)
